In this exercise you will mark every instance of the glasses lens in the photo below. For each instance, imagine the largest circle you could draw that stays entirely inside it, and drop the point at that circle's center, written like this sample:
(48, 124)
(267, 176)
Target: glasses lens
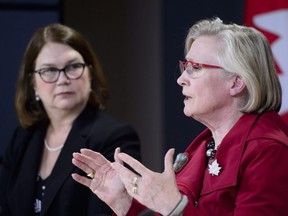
(74, 71)
(71, 71)
(49, 74)
(189, 68)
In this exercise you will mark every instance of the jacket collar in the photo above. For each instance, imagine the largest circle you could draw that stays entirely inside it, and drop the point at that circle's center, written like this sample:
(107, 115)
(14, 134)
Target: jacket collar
(27, 173)
(229, 154)
(63, 168)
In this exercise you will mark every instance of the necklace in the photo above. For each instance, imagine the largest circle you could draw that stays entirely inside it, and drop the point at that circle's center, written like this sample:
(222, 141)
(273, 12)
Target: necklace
(52, 149)
(210, 149)
(213, 165)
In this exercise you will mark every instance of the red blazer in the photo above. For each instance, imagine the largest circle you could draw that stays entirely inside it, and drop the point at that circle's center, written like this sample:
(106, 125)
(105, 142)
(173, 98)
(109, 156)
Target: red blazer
(253, 180)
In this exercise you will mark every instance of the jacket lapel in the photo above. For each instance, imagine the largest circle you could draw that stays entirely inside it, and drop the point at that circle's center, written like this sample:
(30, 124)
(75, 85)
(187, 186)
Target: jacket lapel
(189, 180)
(63, 168)
(25, 187)
(229, 156)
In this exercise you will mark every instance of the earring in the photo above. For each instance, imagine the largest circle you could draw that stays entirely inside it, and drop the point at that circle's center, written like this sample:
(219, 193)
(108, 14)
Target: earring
(37, 98)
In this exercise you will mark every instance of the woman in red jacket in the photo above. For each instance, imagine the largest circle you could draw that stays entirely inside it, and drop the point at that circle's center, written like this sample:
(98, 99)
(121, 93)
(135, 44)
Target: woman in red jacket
(237, 166)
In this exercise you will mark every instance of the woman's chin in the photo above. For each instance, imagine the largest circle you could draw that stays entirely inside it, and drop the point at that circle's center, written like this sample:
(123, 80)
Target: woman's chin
(187, 112)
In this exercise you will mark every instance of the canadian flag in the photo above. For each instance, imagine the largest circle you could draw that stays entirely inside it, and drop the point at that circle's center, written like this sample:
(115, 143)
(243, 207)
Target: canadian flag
(271, 18)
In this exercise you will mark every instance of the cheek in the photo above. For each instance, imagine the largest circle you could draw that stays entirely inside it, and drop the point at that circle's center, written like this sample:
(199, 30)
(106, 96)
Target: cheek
(201, 96)
(87, 81)
(38, 85)
(35, 83)
(84, 85)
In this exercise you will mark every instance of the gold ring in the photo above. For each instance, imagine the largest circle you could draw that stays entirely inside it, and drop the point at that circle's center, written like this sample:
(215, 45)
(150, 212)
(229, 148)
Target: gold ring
(135, 189)
(135, 180)
(91, 174)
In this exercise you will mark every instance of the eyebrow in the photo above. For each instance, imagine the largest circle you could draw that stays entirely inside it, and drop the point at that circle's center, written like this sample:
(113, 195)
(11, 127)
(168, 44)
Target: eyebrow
(54, 65)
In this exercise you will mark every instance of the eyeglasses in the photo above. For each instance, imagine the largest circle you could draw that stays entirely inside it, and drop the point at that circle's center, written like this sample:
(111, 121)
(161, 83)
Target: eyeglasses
(193, 67)
(71, 71)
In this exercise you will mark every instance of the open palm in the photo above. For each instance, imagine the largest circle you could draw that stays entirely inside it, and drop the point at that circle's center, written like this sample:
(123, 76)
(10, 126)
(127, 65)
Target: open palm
(106, 183)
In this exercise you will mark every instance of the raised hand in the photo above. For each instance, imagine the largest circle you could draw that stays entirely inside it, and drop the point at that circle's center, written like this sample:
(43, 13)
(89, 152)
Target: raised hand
(157, 191)
(103, 180)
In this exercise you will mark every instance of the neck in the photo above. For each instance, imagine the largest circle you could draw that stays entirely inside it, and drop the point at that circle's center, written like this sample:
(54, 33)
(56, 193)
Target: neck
(60, 117)
(219, 129)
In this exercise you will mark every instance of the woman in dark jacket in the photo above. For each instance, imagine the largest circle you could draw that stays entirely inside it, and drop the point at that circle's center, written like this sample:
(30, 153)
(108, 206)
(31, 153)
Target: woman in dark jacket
(60, 98)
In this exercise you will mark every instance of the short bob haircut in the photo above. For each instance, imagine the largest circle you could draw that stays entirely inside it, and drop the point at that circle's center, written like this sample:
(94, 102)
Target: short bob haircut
(29, 111)
(246, 52)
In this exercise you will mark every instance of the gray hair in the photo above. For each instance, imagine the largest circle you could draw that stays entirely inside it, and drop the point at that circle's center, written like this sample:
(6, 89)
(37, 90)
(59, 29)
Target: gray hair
(246, 52)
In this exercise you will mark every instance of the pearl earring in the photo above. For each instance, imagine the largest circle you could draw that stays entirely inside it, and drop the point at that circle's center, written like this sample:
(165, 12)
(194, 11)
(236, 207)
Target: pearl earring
(37, 98)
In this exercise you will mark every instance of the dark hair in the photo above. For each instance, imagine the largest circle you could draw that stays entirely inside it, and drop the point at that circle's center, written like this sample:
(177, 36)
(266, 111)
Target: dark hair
(31, 112)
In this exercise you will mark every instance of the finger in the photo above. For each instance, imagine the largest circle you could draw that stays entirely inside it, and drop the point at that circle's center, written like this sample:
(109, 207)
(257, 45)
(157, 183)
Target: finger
(127, 176)
(133, 163)
(95, 157)
(86, 163)
(91, 158)
(84, 167)
(168, 161)
(88, 152)
(81, 179)
(129, 179)
(82, 158)
(116, 158)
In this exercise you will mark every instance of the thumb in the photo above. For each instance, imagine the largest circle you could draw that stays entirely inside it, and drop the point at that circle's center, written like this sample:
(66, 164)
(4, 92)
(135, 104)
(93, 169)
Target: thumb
(116, 158)
(168, 164)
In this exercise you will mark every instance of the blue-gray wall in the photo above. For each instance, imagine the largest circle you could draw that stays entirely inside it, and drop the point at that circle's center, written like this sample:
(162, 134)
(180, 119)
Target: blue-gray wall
(18, 20)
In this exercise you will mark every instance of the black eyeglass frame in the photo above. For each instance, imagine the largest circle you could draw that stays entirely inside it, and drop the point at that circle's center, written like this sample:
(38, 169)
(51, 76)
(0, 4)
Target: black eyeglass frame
(64, 70)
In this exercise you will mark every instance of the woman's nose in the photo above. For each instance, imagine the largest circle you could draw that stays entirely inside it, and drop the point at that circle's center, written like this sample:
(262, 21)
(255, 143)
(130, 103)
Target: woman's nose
(63, 78)
(182, 80)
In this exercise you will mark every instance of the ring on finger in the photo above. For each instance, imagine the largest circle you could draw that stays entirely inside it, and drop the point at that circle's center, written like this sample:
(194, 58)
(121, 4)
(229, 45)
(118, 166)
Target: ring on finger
(134, 189)
(91, 174)
(135, 180)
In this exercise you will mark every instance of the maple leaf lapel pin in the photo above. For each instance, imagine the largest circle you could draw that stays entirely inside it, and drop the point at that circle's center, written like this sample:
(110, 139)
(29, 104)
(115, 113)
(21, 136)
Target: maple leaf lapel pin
(214, 168)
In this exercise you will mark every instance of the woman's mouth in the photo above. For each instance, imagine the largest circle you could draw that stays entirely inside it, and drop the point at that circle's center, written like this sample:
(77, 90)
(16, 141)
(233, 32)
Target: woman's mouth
(186, 97)
(64, 93)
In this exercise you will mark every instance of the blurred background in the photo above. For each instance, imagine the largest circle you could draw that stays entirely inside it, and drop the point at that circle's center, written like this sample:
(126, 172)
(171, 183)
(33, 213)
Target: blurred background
(139, 43)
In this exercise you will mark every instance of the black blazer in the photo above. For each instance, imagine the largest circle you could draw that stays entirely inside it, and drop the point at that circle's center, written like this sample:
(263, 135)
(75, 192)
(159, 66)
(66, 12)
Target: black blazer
(63, 196)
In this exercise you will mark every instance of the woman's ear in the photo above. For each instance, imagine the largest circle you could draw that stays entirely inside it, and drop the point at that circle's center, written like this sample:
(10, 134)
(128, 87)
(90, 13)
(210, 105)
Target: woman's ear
(238, 86)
